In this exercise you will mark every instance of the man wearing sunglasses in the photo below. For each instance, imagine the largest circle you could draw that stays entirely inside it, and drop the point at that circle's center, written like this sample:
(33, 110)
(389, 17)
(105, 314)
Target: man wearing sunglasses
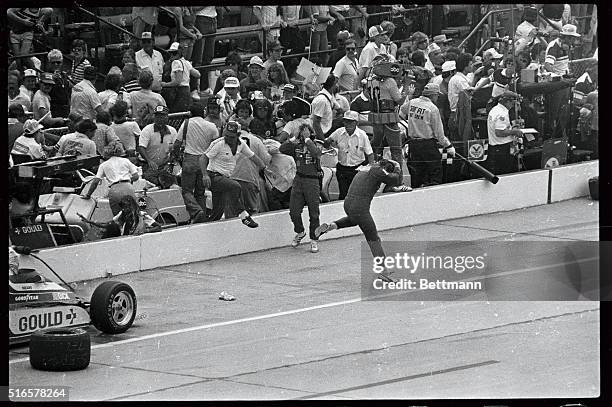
(60, 93)
(347, 68)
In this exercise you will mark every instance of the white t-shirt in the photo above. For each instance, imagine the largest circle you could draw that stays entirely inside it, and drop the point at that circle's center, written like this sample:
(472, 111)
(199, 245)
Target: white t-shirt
(157, 150)
(184, 66)
(222, 160)
(116, 169)
(292, 127)
(347, 73)
(127, 133)
(322, 106)
(369, 52)
(498, 119)
(200, 133)
(28, 146)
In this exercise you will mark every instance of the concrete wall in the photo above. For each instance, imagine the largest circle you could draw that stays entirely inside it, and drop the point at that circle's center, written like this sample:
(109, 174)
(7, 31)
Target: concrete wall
(572, 181)
(225, 238)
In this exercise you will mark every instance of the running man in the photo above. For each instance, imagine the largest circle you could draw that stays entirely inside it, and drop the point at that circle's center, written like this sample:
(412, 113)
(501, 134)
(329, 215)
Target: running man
(357, 205)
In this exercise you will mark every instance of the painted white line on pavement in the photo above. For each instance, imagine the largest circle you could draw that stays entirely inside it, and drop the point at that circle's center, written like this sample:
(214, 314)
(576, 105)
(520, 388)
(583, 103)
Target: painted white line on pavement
(296, 311)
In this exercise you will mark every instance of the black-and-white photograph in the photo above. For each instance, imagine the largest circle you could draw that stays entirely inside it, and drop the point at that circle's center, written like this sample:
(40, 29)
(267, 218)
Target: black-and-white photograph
(303, 202)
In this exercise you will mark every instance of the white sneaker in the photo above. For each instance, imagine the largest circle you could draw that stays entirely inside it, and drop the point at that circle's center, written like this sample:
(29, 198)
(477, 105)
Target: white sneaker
(297, 239)
(314, 246)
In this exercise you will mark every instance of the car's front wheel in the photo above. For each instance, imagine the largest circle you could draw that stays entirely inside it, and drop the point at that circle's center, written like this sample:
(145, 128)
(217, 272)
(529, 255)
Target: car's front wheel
(113, 307)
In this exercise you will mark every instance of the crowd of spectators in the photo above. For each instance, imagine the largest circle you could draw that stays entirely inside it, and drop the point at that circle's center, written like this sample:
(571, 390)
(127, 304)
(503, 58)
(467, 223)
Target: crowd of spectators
(235, 141)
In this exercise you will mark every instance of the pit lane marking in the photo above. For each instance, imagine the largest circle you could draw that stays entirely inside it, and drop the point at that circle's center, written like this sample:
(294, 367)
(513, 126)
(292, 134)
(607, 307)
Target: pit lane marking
(297, 311)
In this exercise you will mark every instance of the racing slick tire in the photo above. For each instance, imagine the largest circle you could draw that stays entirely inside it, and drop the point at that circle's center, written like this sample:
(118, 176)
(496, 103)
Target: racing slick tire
(113, 307)
(60, 350)
(594, 188)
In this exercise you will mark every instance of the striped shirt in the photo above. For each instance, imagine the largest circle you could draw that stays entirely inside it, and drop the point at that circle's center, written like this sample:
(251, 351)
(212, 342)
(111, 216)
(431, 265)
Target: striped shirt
(132, 86)
(558, 57)
(76, 72)
(30, 14)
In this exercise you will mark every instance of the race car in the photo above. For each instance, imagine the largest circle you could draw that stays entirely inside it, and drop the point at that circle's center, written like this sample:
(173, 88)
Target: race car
(37, 304)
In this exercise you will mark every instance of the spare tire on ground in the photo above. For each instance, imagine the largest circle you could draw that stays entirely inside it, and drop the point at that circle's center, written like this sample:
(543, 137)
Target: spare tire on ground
(594, 188)
(60, 350)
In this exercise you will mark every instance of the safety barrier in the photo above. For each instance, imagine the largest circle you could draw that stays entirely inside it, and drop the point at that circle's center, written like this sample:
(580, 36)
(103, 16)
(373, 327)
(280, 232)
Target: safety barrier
(571, 181)
(201, 242)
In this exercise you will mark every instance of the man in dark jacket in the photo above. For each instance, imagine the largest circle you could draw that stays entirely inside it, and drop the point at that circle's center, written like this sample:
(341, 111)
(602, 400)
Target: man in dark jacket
(357, 205)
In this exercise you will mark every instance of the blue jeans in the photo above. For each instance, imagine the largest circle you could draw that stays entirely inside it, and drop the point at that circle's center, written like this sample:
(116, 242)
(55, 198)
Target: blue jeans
(194, 193)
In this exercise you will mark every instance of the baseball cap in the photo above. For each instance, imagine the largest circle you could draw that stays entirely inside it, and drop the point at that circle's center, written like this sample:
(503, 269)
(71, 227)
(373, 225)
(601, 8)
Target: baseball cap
(431, 89)
(174, 47)
(492, 52)
(433, 47)
(47, 78)
(161, 109)
(569, 29)
(256, 61)
(343, 35)
(231, 82)
(441, 39)
(31, 126)
(290, 87)
(29, 72)
(146, 36)
(376, 30)
(508, 94)
(449, 66)
(233, 127)
(351, 115)
(419, 37)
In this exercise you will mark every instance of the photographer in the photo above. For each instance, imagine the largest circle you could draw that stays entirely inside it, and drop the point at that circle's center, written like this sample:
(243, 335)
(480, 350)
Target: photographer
(306, 185)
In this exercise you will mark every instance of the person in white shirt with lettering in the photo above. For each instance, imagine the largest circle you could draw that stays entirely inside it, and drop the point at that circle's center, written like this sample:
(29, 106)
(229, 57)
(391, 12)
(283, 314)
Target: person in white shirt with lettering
(425, 132)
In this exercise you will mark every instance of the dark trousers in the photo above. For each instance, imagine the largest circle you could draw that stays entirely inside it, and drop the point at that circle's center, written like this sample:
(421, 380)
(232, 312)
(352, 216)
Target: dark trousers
(192, 186)
(291, 38)
(425, 160)
(204, 48)
(345, 176)
(224, 191)
(279, 200)
(391, 133)
(499, 161)
(178, 98)
(305, 192)
(357, 210)
(250, 196)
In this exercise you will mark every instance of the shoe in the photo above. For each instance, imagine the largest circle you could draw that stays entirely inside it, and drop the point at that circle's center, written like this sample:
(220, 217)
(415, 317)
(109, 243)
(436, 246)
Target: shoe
(200, 217)
(297, 239)
(195, 95)
(401, 188)
(321, 229)
(249, 222)
(314, 246)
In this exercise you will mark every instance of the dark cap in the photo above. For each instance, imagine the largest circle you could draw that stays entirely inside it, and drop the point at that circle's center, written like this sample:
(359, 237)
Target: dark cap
(161, 109)
(233, 127)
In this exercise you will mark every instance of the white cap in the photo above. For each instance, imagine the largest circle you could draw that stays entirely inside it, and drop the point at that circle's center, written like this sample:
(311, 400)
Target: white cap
(256, 61)
(569, 29)
(231, 82)
(493, 53)
(29, 72)
(433, 47)
(376, 30)
(449, 66)
(351, 115)
(174, 47)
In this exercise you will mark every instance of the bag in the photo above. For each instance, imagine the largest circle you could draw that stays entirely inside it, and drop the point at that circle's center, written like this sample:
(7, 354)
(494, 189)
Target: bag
(166, 19)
